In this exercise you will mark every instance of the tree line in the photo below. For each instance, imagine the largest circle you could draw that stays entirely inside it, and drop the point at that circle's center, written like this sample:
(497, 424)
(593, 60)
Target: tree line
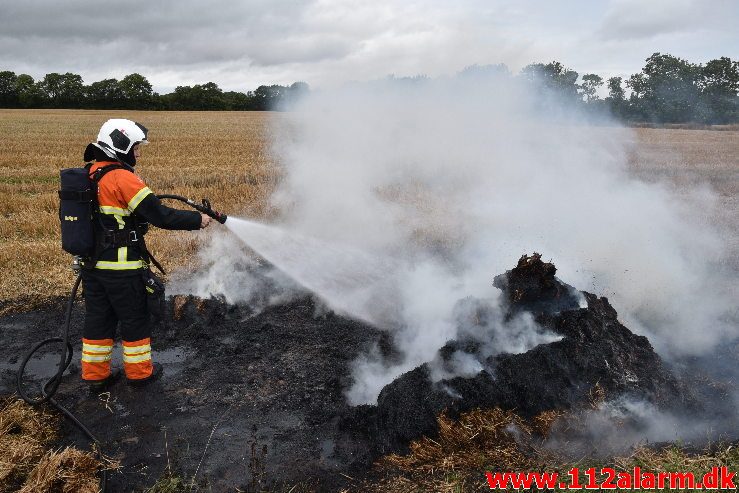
(667, 90)
(135, 92)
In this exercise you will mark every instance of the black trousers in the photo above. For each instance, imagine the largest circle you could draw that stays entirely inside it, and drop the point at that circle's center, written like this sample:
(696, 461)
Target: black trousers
(113, 299)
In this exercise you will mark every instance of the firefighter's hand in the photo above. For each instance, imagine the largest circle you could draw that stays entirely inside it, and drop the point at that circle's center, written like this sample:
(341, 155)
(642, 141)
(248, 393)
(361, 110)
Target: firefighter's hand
(204, 220)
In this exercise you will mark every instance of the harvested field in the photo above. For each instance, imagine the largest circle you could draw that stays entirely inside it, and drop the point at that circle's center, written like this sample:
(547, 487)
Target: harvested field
(687, 159)
(249, 402)
(221, 156)
(225, 157)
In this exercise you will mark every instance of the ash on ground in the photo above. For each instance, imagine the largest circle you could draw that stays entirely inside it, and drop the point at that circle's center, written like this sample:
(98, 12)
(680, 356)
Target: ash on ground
(252, 400)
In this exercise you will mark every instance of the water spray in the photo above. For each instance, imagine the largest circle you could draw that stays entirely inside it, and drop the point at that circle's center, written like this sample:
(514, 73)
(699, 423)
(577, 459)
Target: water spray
(347, 278)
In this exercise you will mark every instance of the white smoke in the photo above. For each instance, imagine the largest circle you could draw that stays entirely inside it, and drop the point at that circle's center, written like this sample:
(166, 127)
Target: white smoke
(400, 199)
(616, 426)
(455, 178)
(230, 270)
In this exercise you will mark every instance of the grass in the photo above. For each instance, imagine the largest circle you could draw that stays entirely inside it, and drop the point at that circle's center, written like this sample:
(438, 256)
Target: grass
(28, 461)
(169, 484)
(24, 436)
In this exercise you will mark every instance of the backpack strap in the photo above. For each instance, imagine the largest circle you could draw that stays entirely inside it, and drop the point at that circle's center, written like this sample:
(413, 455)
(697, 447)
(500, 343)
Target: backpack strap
(98, 174)
(77, 196)
(126, 236)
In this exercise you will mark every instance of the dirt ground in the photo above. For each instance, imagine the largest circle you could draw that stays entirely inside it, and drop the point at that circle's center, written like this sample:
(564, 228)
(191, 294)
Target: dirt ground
(246, 401)
(249, 403)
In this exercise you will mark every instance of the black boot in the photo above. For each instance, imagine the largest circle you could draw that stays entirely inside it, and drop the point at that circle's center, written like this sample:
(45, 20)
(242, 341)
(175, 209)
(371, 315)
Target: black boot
(156, 373)
(97, 386)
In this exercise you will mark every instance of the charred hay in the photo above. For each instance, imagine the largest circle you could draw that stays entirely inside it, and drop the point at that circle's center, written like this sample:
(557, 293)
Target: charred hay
(596, 353)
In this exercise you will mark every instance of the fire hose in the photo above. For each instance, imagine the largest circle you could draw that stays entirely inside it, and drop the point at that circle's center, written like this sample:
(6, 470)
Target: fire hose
(204, 207)
(49, 389)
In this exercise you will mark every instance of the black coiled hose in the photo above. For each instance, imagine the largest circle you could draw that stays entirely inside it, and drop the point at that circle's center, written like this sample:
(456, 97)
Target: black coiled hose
(50, 387)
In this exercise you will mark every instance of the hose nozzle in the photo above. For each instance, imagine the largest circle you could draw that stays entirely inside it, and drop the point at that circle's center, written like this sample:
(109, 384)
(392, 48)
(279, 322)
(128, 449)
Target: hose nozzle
(206, 209)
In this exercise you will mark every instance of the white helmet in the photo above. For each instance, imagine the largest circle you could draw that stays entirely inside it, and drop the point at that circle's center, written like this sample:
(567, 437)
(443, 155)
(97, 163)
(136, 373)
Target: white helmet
(117, 137)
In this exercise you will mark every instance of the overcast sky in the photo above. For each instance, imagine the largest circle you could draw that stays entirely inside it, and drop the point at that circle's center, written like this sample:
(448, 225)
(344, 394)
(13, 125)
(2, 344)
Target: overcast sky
(240, 45)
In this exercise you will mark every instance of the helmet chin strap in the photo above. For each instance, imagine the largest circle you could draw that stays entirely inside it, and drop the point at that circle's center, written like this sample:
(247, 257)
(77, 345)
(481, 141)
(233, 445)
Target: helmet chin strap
(108, 152)
(115, 155)
(123, 158)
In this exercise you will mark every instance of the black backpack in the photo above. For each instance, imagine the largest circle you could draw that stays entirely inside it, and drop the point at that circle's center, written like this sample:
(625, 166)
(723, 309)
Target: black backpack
(78, 207)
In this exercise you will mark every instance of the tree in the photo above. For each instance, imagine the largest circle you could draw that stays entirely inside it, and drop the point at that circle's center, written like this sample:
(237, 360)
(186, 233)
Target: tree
(207, 96)
(615, 91)
(721, 75)
(299, 88)
(51, 86)
(182, 98)
(293, 94)
(555, 77)
(268, 97)
(719, 84)
(616, 99)
(137, 92)
(8, 89)
(666, 90)
(105, 94)
(590, 85)
(237, 101)
(63, 90)
(211, 96)
(30, 94)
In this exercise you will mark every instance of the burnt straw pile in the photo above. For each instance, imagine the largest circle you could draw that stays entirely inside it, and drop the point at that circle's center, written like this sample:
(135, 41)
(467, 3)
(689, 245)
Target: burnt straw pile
(595, 353)
(251, 400)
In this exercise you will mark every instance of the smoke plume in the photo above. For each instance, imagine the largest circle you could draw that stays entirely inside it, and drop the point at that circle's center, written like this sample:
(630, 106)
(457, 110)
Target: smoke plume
(401, 198)
(456, 178)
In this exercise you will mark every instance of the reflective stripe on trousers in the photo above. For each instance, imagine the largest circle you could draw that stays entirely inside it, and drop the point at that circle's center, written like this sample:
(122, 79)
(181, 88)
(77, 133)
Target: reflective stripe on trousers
(96, 354)
(137, 359)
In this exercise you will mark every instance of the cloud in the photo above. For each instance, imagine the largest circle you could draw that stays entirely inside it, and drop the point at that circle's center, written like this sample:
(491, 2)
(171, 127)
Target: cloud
(240, 45)
(634, 19)
(169, 32)
(183, 37)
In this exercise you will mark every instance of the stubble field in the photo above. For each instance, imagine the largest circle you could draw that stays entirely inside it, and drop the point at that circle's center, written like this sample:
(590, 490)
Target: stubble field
(225, 156)
(220, 156)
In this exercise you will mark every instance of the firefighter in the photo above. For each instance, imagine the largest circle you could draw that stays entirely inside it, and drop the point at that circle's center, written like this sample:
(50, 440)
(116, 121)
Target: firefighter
(114, 282)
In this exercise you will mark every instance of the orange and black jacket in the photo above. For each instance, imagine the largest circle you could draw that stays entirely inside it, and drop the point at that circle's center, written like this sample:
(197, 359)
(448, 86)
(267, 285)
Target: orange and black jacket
(124, 199)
